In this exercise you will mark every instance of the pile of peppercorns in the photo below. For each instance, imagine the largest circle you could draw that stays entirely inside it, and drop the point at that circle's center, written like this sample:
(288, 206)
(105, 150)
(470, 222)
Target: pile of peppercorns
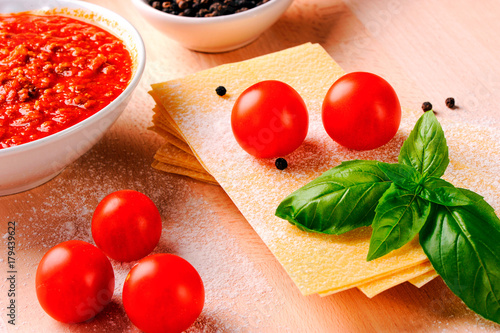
(204, 8)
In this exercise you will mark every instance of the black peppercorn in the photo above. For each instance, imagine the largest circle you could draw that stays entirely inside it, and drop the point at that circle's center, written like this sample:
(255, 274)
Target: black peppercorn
(215, 7)
(450, 102)
(201, 13)
(220, 90)
(426, 106)
(183, 5)
(281, 163)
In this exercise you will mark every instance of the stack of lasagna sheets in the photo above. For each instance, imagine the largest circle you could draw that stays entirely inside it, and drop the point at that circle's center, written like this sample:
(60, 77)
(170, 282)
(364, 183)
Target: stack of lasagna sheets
(196, 124)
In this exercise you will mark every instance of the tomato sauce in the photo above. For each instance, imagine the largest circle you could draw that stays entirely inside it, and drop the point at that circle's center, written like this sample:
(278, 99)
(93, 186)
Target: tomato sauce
(55, 71)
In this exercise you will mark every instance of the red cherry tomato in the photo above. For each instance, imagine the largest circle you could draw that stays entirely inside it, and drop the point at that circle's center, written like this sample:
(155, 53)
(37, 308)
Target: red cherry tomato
(126, 225)
(163, 293)
(74, 281)
(269, 119)
(361, 111)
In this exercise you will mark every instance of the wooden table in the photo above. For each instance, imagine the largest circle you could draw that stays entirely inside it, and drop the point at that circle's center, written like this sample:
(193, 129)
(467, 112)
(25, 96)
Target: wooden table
(428, 50)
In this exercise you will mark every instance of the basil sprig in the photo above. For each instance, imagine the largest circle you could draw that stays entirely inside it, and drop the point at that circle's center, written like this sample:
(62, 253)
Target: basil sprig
(458, 230)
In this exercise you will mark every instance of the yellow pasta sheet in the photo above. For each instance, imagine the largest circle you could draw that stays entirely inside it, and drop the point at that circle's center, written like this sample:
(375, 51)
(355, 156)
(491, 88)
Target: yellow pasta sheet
(374, 288)
(203, 176)
(315, 262)
(423, 279)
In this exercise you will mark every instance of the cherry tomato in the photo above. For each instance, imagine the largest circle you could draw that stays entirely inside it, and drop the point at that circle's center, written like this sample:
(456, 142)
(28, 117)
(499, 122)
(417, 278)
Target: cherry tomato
(126, 225)
(361, 111)
(163, 293)
(269, 119)
(74, 281)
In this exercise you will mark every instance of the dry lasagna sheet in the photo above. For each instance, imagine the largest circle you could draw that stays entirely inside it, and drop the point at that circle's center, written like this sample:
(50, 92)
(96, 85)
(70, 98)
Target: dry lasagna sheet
(191, 112)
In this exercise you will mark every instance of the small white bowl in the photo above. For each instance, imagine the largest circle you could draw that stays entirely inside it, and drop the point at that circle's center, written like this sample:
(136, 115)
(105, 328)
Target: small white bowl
(215, 34)
(31, 164)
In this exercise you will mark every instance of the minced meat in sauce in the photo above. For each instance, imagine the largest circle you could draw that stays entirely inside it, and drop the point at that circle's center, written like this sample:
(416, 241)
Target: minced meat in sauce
(55, 71)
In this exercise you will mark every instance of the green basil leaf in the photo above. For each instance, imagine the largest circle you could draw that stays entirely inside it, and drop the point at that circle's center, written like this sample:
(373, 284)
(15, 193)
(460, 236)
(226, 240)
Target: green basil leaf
(463, 245)
(439, 191)
(426, 149)
(342, 199)
(402, 175)
(399, 217)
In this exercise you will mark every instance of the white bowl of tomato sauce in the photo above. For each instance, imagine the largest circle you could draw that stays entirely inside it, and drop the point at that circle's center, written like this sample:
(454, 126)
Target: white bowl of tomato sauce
(67, 71)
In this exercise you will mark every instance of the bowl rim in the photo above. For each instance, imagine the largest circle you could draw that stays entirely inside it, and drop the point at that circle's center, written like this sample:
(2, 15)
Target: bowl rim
(214, 19)
(134, 81)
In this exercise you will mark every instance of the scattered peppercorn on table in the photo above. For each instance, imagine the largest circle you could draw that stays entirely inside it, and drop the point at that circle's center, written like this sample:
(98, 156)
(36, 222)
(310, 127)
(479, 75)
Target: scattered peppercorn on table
(245, 268)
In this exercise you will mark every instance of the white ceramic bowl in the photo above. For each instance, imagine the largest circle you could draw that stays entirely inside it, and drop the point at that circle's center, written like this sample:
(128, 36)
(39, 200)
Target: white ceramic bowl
(215, 34)
(28, 165)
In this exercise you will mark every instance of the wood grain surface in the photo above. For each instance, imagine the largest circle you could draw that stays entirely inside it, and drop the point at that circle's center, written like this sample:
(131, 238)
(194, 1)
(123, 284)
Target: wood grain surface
(428, 50)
